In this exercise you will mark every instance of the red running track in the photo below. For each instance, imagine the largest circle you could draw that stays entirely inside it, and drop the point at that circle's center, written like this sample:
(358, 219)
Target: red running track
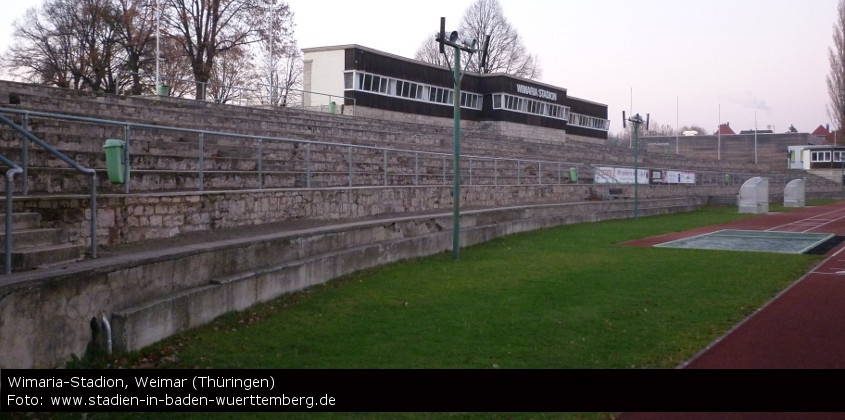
(801, 328)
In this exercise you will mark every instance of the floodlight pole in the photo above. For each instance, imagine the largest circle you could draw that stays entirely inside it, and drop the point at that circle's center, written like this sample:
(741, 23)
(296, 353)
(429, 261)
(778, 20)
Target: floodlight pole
(456, 179)
(467, 45)
(637, 121)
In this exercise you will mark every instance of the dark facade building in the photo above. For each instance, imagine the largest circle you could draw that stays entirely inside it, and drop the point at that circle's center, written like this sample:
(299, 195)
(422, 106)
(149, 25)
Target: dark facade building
(377, 80)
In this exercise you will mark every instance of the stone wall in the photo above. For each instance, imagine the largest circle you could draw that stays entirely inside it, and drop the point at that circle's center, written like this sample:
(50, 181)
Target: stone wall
(131, 218)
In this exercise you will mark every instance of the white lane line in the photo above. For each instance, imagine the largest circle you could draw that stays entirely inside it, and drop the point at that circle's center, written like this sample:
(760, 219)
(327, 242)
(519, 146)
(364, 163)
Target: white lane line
(834, 220)
(807, 219)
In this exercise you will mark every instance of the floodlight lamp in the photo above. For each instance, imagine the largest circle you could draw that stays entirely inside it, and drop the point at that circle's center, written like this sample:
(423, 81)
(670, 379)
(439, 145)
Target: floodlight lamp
(470, 42)
(453, 36)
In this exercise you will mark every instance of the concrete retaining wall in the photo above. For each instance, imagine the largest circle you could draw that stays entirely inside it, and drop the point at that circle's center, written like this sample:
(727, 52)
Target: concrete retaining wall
(44, 317)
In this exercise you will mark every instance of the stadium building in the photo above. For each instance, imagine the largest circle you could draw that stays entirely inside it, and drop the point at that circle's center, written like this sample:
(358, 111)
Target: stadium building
(382, 85)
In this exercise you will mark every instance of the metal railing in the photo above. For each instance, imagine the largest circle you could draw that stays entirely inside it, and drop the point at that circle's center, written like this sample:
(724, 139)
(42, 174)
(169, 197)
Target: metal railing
(10, 179)
(88, 171)
(428, 167)
(362, 165)
(259, 94)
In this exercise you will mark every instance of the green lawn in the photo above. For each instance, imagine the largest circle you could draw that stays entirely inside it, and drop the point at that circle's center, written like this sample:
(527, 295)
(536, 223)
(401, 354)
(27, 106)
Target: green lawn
(567, 297)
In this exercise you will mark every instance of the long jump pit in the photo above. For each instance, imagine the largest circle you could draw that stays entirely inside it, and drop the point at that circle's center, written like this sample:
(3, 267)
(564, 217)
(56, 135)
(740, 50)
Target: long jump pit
(804, 326)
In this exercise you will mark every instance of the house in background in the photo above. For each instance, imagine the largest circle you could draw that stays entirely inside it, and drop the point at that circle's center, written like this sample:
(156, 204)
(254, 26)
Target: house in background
(824, 132)
(724, 129)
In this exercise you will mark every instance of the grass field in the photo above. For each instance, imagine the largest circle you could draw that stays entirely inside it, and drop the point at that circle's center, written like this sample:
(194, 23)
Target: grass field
(567, 297)
(560, 298)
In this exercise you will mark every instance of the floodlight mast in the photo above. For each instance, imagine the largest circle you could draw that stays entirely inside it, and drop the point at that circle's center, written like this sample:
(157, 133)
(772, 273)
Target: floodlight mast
(637, 120)
(468, 45)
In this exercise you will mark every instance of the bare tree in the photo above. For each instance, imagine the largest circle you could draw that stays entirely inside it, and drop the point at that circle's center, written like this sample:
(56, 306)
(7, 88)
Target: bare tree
(135, 29)
(67, 43)
(110, 45)
(175, 69)
(228, 76)
(40, 54)
(277, 59)
(429, 52)
(836, 79)
(659, 130)
(288, 76)
(506, 53)
(90, 21)
(206, 28)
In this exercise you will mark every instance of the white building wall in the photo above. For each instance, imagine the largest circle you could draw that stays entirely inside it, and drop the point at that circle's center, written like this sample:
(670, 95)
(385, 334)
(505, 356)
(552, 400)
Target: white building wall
(325, 78)
(796, 157)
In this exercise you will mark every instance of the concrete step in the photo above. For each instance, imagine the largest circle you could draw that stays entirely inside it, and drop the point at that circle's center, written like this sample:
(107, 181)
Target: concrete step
(27, 238)
(45, 255)
(21, 220)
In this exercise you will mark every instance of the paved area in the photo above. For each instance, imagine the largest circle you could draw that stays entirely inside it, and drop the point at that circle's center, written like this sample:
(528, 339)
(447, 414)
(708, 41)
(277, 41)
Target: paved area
(801, 328)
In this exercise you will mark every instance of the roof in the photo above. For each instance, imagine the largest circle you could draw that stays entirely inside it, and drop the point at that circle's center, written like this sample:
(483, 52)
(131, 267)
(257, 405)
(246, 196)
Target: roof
(724, 129)
(817, 147)
(821, 131)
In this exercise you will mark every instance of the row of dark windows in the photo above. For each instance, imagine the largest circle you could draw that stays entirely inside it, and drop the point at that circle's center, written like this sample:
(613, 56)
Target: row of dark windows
(389, 86)
(530, 106)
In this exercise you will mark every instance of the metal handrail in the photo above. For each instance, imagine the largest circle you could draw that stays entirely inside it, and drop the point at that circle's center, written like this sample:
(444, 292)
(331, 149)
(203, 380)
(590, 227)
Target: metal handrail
(242, 89)
(308, 143)
(130, 125)
(260, 139)
(10, 178)
(88, 171)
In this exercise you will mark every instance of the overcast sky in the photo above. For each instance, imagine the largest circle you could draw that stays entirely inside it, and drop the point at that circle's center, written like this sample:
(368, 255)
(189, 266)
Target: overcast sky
(745, 56)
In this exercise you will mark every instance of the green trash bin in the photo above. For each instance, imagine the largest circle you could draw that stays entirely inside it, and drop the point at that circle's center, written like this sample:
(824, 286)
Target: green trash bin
(727, 179)
(163, 90)
(573, 174)
(114, 160)
(332, 107)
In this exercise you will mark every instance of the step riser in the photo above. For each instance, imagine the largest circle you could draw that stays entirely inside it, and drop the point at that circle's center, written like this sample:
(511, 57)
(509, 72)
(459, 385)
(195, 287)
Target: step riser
(25, 239)
(20, 221)
(31, 259)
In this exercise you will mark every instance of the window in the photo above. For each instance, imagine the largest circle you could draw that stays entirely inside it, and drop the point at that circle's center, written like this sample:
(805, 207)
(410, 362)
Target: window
(585, 121)
(820, 157)
(355, 80)
(529, 106)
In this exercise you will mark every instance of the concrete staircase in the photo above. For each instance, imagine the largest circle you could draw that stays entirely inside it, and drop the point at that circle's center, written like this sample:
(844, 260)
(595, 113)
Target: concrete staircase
(154, 152)
(34, 246)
